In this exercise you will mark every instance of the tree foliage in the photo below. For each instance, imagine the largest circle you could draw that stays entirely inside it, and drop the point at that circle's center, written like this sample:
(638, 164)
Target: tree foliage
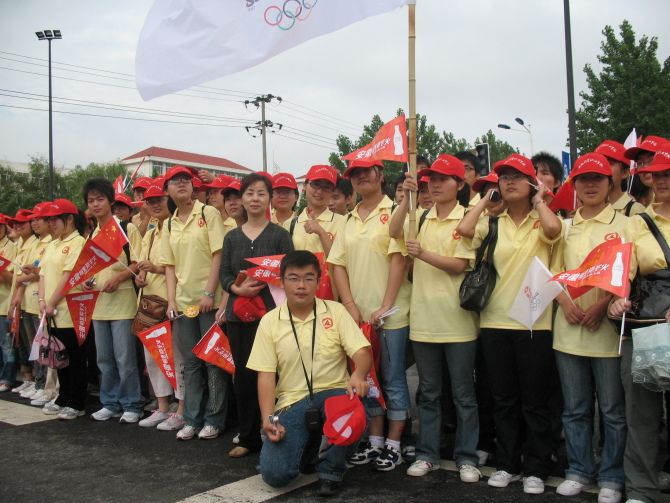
(25, 190)
(430, 143)
(631, 91)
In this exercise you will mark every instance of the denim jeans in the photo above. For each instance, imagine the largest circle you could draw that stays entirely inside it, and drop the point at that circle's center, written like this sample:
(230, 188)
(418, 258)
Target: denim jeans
(392, 373)
(460, 358)
(199, 375)
(577, 376)
(7, 368)
(117, 360)
(280, 461)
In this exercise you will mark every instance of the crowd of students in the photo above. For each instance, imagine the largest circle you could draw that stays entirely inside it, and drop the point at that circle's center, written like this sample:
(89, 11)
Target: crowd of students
(189, 244)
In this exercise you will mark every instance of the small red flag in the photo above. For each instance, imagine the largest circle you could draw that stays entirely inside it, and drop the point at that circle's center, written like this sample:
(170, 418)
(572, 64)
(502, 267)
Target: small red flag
(214, 348)
(389, 144)
(565, 198)
(81, 306)
(158, 341)
(118, 185)
(111, 238)
(4, 264)
(325, 290)
(92, 259)
(606, 267)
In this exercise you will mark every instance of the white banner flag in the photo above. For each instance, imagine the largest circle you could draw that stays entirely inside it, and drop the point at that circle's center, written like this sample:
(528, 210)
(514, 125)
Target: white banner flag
(185, 43)
(535, 294)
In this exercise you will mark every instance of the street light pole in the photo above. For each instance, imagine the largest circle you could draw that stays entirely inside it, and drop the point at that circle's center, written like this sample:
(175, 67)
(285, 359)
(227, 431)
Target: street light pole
(50, 35)
(524, 130)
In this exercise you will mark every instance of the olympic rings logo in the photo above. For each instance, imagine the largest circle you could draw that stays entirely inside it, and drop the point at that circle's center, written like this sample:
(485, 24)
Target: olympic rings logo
(285, 17)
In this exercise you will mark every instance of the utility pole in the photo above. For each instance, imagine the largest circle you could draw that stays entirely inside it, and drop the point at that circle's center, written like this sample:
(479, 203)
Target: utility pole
(572, 130)
(263, 125)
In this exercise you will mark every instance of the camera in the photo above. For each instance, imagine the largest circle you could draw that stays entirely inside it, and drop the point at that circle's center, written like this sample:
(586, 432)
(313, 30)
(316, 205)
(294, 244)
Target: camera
(494, 196)
(313, 419)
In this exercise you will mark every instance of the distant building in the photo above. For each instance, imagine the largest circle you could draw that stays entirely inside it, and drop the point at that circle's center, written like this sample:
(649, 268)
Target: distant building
(159, 160)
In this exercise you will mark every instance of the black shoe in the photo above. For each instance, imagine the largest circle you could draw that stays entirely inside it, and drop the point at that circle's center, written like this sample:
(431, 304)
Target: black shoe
(327, 487)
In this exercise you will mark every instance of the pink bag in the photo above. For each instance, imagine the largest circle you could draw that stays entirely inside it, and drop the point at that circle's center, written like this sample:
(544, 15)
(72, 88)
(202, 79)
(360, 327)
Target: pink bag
(52, 351)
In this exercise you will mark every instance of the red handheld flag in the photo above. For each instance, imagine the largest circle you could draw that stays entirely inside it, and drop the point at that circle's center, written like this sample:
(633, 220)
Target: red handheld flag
(375, 349)
(92, 259)
(118, 185)
(325, 290)
(111, 238)
(158, 341)
(389, 144)
(214, 348)
(606, 267)
(81, 306)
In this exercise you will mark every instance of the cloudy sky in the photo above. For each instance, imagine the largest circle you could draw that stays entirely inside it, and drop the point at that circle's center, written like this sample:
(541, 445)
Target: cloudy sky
(479, 63)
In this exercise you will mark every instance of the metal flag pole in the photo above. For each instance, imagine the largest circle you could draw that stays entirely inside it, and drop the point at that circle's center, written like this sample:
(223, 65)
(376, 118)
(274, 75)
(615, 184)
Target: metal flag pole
(412, 116)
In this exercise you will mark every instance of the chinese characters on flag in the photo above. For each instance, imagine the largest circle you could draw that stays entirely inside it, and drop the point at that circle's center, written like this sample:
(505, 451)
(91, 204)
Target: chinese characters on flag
(389, 144)
(92, 259)
(158, 341)
(214, 348)
(81, 306)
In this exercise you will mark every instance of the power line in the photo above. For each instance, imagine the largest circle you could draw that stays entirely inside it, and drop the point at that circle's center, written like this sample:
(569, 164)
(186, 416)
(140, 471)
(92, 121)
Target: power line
(282, 133)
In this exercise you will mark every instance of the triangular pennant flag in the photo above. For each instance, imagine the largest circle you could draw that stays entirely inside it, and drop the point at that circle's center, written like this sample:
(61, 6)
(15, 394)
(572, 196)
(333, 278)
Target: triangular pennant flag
(389, 144)
(81, 306)
(158, 341)
(92, 259)
(214, 348)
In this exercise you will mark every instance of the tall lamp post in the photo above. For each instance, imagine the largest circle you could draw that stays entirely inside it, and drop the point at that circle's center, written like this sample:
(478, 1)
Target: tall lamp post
(526, 129)
(50, 35)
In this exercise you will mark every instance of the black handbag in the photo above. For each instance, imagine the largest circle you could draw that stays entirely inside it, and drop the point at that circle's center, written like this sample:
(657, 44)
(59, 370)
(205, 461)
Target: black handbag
(650, 293)
(479, 283)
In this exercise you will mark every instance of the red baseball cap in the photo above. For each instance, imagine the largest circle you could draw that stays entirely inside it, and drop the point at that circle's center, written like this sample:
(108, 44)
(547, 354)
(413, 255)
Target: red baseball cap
(479, 184)
(591, 163)
(234, 184)
(249, 308)
(144, 182)
(518, 162)
(345, 419)
(153, 191)
(220, 182)
(3, 219)
(123, 199)
(445, 164)
(613, 150)
(424, 179)
(60, 207)
(178, 170)
(38, 208)
(361, 163)
(661, 160)
(283, 180)
(322, 172)
(650, 144)
(22, 216)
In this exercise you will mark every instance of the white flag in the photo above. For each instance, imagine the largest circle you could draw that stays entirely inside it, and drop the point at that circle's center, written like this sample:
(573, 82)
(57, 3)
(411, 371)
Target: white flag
(185, 43)
(536, 293)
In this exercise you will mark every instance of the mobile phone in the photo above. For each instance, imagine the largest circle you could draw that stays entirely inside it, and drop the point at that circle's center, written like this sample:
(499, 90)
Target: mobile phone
(240, 278)
(494, 196)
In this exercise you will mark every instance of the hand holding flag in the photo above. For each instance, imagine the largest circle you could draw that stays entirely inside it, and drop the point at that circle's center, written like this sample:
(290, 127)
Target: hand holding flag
(389, 144)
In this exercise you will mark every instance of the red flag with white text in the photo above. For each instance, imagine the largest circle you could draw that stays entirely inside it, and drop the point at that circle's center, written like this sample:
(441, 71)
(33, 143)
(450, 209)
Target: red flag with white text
(158, 341)
(389, 144)
(606, 267)
(118, 185)
(92, 260)
(81, 306)
(214, 348)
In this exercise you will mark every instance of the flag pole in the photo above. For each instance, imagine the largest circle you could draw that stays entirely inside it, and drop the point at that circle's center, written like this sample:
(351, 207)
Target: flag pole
(412, 116)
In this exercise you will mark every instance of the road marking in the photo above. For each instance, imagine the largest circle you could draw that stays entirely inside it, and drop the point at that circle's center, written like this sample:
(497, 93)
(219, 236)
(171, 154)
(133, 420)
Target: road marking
(19, 414)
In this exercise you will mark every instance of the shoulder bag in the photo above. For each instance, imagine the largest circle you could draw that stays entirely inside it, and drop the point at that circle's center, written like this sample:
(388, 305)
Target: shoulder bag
(479, 283)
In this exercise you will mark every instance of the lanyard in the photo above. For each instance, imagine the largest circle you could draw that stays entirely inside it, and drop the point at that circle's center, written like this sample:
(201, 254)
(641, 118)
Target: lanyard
(295, 334)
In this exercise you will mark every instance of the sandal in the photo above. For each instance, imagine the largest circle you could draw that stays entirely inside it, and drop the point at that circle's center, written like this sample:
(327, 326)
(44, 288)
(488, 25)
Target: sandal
(239, 452)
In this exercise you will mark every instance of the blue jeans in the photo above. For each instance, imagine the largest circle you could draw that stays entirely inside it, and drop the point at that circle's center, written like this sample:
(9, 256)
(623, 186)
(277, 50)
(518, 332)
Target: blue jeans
(199, 375)
(577, 376)
(460, 365)
(117, 360)
(280, 461)
(392, 374)
(7, 368)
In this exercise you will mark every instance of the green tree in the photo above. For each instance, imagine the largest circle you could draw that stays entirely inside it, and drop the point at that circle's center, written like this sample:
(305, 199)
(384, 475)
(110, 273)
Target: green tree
(631, 91)
(75, 179)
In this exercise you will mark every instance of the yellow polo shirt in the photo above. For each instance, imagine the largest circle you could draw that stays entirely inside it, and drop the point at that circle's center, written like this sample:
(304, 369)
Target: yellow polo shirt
(647, 254)
(583, 237)
(362, 247)
(30, 295)
(22, 251)
(228, 225)
(189, 247)
(60, 257)
(473, 202)
(275, 350)
(331, 223)
(8, 251)
(620, 205)
(515, 250)
(122, 304)
(150, 252)
(434, 313)
(136, 220)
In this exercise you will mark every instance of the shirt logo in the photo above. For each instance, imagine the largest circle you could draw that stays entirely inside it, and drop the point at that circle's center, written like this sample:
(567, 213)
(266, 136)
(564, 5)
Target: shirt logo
(201, 222)
(327, 323)
(384, 218)
(611, 236)
(330, 235)
(536, 225)
(455, 235)
(42, 251)
(65, 250)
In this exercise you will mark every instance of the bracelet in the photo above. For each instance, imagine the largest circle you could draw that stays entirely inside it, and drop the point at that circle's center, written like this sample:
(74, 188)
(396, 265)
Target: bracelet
(538, 202)
(350, 302)
(210, 295)
(40, 300)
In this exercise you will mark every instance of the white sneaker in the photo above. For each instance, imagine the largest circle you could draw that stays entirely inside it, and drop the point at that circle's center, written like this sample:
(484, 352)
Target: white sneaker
(40, 398)
(51, 402)
(420, 467)
(29, 391)
(130, 417)
(52, 409)
(570, 488)
(469, 474)
(483, 457)
(154, 419)
(174, 422)
(664, 480)
(208, 432)
(23, 386)
(186, 433)
(104, 414)
(502, 479)
(533, 485)
(607, 495)
(5, 387)
(69, 413)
